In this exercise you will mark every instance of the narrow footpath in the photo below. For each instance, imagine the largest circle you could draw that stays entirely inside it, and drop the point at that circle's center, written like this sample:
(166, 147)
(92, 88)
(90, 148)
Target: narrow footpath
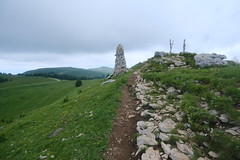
(122, 144)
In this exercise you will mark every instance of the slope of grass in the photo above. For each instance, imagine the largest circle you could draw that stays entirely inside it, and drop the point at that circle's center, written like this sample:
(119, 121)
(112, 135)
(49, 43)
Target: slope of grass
(219, 87)
(22, 80)
(86, 118)
(25, 94)
(78, 72)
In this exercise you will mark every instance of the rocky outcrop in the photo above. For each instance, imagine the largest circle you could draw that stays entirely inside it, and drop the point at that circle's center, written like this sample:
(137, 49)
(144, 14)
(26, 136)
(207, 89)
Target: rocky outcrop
(204, 60)
(120, 62)
(151, 154)
(167, 125)
(160, 54)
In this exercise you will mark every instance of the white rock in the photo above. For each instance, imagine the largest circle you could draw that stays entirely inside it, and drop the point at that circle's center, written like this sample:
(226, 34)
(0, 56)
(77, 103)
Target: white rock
(146, 139)
(42, 157)
(212, 154)
(164, 136)
(232, 132)
(145, 127)
(201, 158)
(151, 154)
(165, 156)
(182, 132)
(167, 125)
(131, 116)
(177, 155)
(171, 90)
(178, 116)
(223, 118)
(154, 106)
(147, 113)
(140, 148)
(184, 148)
(166, 148)
(108, 81)
(170, 109)
(138, 108)
(213, 112)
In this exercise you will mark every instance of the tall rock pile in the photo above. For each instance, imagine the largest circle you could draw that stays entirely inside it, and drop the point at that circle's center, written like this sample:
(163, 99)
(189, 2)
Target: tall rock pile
(120, 62)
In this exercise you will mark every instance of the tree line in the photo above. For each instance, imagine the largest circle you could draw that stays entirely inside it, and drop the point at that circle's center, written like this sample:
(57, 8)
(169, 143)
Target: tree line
(4, 79)
(61, 76)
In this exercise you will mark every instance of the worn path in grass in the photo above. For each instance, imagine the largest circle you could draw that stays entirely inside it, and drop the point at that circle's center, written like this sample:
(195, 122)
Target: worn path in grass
(122, 141)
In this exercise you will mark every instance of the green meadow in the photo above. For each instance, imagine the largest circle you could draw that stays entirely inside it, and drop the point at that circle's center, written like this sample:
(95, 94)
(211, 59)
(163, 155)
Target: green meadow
(54, 119)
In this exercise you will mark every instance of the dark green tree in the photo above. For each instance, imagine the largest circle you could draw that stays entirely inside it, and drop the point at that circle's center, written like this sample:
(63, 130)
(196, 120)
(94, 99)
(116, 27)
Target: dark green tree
(78, 83)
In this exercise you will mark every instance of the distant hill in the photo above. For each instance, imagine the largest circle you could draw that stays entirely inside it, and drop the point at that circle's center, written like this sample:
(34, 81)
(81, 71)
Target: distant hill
(105, 70)
(70, 72)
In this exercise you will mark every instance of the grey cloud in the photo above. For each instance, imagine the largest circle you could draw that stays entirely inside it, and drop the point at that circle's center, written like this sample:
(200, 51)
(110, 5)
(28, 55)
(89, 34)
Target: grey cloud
(77, 26)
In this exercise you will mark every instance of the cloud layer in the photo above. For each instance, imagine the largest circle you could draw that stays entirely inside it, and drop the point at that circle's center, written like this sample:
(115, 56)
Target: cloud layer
(62, 27)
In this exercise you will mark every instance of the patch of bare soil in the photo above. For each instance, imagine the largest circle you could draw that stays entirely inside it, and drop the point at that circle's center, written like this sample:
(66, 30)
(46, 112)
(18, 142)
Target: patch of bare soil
(122, 145)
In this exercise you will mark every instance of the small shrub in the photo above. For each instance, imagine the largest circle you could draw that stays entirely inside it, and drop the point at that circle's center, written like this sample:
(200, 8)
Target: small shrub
(227, 146)
(173, 139)
(78, 83)
(65, 99)
(2, 138)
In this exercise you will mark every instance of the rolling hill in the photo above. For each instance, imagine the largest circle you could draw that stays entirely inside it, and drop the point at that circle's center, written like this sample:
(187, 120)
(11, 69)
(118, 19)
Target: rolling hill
(70, 71)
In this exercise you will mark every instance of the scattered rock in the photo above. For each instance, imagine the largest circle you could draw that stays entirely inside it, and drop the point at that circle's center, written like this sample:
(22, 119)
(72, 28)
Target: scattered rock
(166, 148)
(201, 158)
(171, 90)
(164, 136)
(151, 154)
(170, 109)
(145, 127)
(165, 156)
(177, 155)
(147, 113)
(184, 148)
(154, 106)
(160, 54)
(140, 148)
(167, 125)
(131, 116)
(204, 60)
(42, 157)
(108, 81)
(64, 139)
(212, 154)
(182, 132)
(138, 108)
(81, 134)
(178, 116)
(56, 132)
(148, 139)
(223, 118)
(232, 132)
(213, 112)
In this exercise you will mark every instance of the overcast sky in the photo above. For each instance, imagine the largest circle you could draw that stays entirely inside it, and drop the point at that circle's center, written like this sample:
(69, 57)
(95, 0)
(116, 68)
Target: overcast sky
(85, 33)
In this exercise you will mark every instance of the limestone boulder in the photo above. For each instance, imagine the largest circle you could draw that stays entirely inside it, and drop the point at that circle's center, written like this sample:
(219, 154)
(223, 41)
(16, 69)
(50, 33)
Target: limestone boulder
(167, 125)
(151, 154)
(177, 155)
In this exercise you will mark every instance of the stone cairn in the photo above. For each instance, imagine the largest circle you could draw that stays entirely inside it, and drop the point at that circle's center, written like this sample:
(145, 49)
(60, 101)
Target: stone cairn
(120, 62)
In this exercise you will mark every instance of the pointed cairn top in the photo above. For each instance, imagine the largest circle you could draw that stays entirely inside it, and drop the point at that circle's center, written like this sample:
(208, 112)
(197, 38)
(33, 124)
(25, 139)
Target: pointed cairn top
(120, 62)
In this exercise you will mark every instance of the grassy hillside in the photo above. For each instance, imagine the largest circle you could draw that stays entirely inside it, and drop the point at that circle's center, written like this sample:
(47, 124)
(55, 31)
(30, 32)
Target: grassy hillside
(105, 70)
(202, 95)
(73, 126)
(24, 94)
(78, 72)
